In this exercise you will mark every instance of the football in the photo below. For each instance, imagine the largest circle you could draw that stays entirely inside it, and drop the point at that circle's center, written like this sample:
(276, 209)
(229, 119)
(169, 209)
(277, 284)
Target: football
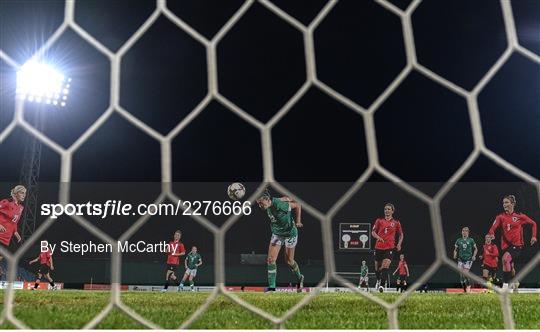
(236, 191)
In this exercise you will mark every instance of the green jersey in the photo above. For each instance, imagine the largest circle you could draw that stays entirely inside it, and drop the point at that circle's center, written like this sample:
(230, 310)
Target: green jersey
(192, 260)
(465, 249)
(364, 271)
(281, 219)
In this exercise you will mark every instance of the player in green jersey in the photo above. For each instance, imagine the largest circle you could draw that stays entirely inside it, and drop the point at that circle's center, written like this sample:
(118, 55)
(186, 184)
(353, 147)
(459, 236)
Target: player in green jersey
(284, 232)
(192, 262)
(364, 276)
(465, 251)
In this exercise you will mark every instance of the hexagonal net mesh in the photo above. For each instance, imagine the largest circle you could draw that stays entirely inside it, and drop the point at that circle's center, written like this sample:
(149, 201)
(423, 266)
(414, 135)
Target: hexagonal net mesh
(265, 129)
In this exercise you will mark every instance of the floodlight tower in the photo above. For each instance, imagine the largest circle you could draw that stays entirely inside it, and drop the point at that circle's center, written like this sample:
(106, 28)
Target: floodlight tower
(42, 84)
(29, 178)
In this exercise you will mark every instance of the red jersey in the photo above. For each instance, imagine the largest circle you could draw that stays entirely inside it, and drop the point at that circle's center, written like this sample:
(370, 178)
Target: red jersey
(491, 255)
(386, 229)
(512, 230)
(402, 266)
(171, 258)
(45, 257)
(10, 214)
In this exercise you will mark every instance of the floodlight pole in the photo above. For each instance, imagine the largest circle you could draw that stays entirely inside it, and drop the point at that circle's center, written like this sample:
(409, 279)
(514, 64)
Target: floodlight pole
(39, 82)
(30, 176)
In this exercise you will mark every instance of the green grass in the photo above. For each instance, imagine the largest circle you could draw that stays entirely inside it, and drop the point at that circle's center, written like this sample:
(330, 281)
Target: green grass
(73, 309)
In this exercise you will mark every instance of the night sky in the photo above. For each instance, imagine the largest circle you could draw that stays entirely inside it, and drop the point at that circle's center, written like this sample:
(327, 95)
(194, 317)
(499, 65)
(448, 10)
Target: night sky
(423, 129)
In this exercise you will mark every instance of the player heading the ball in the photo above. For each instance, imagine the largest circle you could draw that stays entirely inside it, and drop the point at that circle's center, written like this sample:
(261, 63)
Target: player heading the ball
(284, 232)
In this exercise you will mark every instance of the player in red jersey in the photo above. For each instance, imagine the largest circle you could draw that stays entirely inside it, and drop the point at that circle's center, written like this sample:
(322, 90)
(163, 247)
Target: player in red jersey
(403, 269)
(45, 266)
(384, 230)
(10, 214)
(490, 260)
(511, 224)
(173, 259)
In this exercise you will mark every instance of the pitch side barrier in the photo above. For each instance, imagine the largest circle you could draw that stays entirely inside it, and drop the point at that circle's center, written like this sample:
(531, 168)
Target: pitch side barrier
(260, 289)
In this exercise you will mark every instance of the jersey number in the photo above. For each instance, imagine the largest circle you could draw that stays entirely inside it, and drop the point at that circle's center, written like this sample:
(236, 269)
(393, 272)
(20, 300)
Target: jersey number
(386, 230)
(509, 226)
(15, 218)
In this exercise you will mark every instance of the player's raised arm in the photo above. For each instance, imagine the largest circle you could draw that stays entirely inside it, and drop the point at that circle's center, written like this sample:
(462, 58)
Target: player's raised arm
(286, 199)
(298, 213)
(33, 261)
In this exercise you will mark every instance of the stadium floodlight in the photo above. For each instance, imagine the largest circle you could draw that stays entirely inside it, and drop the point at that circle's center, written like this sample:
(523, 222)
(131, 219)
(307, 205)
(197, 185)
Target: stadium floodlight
(42, 83)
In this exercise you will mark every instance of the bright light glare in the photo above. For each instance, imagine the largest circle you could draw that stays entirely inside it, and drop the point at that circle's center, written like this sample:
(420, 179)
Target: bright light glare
(36, 80)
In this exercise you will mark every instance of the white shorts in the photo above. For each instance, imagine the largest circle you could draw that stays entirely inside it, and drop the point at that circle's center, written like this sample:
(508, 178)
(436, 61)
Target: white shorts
(191, 272)
(364, 279)
(289, 242)
(464, 265)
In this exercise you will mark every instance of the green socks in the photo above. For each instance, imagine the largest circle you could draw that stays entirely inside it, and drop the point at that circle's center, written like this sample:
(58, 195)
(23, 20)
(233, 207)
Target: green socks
(295, 269)
(272, 271)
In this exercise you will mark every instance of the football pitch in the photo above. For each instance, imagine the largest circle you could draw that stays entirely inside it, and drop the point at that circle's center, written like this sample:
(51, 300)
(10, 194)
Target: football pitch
(73, 309)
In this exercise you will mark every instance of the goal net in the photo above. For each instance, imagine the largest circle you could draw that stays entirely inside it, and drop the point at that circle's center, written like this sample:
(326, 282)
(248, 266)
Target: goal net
(326, 217)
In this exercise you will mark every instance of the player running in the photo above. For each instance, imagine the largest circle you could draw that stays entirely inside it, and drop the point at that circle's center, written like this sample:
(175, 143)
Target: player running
(511, 224)
(45, 266)
(173, 259)
(192, 262)
(463, 252)
(384, 230)
(490, 261)
(403, 269)
(284, 232)
(364, 276)
(10, 214)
